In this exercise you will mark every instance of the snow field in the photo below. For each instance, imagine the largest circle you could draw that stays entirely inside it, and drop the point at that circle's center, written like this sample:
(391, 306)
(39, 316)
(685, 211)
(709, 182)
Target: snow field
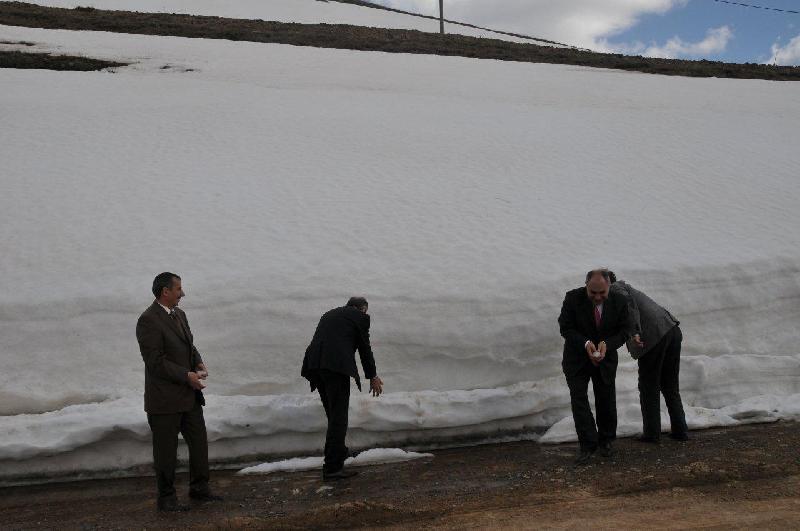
(462, 197)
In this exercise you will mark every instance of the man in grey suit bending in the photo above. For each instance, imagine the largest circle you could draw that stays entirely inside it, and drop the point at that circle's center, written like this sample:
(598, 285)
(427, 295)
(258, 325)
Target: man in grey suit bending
(655, 341)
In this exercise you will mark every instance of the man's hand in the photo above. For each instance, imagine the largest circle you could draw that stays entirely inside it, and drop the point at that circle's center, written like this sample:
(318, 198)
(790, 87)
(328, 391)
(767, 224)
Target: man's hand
(202, 372)
(590, 349)
(638, 340)
(194, 381)
(593, 353)
(600, 354)
(376, 386)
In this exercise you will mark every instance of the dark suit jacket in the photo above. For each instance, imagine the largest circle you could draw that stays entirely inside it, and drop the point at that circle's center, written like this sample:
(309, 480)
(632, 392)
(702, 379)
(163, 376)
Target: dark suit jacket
(339, 333)
(577, 326)
(168, 352)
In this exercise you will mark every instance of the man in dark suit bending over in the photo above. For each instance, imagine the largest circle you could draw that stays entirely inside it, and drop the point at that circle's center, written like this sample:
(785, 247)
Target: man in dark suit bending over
(592, 323)
(173, 379)
(329, 363)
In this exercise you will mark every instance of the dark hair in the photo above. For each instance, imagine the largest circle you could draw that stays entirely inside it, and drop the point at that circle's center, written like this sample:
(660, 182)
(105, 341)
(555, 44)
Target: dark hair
(358, 302)
(612, 277)
(163, 280)
(605, 273)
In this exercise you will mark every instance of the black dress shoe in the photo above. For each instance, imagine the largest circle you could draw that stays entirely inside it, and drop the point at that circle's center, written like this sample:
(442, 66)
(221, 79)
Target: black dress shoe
(682, 436)
(204, 497)
(606, 450)
(171, 505)
(584, 456)
(647, 439)
(339, 474)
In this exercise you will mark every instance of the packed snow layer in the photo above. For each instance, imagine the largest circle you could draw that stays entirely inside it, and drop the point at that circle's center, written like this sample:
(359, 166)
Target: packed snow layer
(374, 456)
(762, 408)
(300, 11)
(462, 197)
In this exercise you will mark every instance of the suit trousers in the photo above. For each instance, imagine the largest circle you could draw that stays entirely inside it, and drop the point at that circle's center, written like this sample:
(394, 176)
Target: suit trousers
(334, 391)
(658, 374)
(605, 404)
(165, 429)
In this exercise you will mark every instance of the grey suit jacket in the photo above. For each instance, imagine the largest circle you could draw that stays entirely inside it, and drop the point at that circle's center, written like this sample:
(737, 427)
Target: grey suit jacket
(645, 317)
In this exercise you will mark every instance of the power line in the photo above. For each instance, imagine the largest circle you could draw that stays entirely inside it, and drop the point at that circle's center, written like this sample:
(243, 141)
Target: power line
(759, 7)
(369, 4)
(518, 35)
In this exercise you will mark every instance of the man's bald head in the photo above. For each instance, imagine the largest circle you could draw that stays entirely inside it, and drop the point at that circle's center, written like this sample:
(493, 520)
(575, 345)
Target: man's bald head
(597, 284)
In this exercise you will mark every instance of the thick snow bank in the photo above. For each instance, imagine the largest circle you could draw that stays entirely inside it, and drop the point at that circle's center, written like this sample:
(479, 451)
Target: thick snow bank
(462, 197)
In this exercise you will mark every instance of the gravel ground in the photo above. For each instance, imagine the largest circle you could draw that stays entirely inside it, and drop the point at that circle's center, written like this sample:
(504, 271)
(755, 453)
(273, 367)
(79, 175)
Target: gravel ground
(742, 477)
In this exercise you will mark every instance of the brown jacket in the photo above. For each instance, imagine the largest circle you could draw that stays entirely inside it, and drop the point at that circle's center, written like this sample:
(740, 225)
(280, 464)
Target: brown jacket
(168, 351)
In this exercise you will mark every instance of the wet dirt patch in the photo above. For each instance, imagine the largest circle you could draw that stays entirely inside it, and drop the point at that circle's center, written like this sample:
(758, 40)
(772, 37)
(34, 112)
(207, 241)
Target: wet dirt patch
(45, 61)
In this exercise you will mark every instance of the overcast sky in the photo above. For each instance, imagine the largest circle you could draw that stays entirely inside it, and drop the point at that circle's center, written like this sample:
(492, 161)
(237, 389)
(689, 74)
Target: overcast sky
(693, 29)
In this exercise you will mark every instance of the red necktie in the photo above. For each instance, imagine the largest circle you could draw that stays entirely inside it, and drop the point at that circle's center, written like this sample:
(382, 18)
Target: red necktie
(597, 316)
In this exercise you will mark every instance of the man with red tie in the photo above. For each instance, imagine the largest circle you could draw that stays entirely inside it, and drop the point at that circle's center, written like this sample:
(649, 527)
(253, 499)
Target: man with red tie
(592, 322)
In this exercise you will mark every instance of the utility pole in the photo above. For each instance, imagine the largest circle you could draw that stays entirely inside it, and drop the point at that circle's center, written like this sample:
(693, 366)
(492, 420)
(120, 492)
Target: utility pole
(441, 17)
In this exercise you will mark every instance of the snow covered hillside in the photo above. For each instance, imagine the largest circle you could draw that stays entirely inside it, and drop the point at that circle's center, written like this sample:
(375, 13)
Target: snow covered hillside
(462, 197)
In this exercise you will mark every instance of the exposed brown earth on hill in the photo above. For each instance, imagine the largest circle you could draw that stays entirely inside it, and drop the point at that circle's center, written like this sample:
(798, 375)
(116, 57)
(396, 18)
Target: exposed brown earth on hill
(372, 39)
(18, 59)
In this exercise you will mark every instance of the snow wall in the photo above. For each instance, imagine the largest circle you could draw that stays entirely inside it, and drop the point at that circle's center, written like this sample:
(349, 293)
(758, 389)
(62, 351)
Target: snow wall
(461, 197)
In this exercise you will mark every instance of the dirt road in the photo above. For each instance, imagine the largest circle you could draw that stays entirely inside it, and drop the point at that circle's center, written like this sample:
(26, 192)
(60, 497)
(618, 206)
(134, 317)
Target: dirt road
(744, 477)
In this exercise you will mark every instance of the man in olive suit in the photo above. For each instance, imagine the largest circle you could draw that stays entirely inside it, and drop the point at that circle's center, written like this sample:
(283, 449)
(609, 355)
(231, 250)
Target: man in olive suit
(173, 380)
